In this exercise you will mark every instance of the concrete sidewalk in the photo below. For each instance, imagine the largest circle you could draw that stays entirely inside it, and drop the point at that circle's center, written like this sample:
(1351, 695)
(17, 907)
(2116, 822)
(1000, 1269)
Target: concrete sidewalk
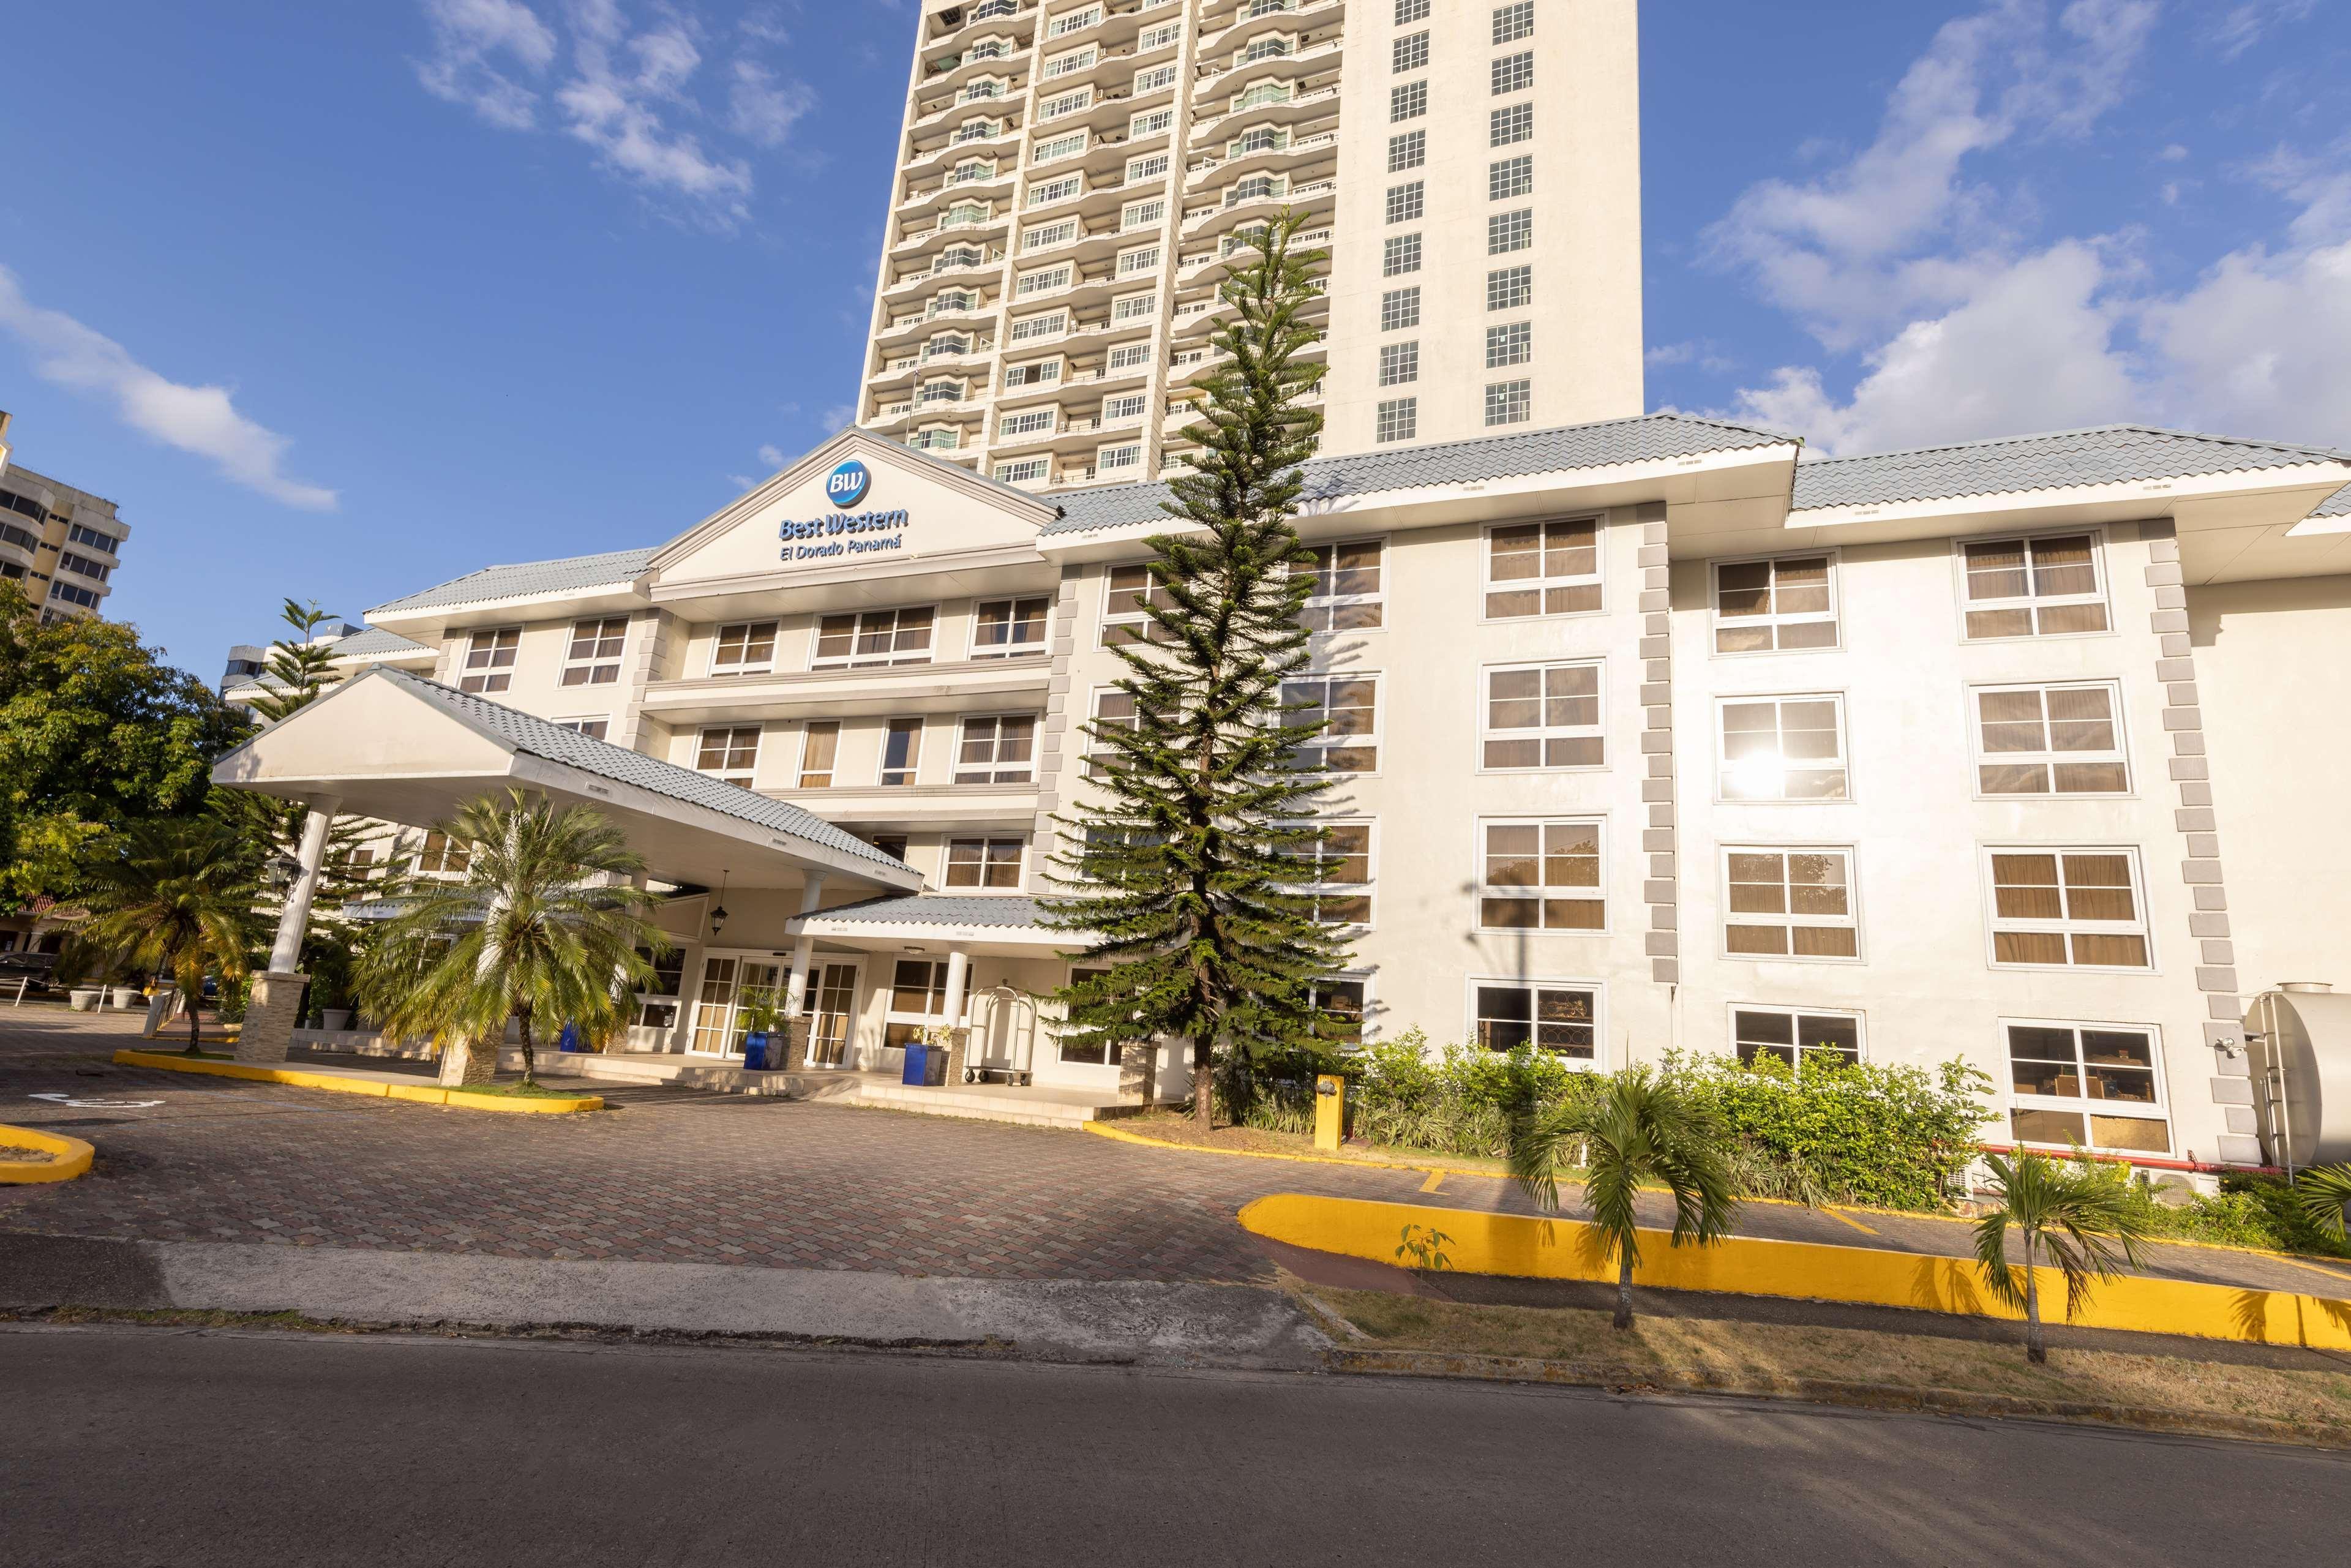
(1068, 1321)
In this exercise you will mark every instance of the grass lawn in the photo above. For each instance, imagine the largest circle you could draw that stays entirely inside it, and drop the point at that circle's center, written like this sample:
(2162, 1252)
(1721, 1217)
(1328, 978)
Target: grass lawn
(1696, 1353)
(517, 1091)
(1174, 1127)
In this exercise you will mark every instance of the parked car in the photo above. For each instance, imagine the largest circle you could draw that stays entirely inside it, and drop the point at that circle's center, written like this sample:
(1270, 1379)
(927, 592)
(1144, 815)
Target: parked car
(17, 967)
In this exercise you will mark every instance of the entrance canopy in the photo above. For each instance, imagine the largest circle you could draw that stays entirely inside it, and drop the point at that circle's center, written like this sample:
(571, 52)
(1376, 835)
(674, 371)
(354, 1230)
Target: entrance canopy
(401, 748)
(1003, 925)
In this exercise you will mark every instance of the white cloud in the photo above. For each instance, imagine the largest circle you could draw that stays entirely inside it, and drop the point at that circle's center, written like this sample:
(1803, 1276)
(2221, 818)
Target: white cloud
(201, 420)
(836, 418)
(1901, 256)
(648, 98)
(2240, 27)
(772, 455)
(467, 35)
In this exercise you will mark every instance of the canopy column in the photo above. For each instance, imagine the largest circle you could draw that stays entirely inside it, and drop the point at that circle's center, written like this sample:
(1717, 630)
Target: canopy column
(274, 1008)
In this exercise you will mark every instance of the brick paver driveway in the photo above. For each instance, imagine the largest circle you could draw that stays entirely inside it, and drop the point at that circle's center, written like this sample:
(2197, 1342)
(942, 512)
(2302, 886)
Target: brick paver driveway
(681, 1175)
(670, 1176)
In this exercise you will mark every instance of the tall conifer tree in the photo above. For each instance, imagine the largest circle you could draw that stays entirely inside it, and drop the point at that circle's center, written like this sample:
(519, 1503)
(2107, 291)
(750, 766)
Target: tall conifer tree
(1187, 856)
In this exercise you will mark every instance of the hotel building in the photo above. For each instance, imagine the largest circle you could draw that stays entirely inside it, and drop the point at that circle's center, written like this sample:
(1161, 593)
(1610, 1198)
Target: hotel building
(61, 543)
(1075, 179)
(1651, 735)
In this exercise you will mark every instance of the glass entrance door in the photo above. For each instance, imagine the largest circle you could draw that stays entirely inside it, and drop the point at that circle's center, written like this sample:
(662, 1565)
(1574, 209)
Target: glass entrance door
(714, 1006)
(831, 1006)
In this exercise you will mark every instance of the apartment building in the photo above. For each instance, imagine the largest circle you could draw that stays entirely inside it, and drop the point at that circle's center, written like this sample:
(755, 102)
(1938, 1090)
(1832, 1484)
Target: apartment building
(1650, 737)
(63, 544)
(1078, 177)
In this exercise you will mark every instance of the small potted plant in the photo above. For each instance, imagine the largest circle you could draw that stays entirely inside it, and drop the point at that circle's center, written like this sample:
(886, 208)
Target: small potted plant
(762, 1016)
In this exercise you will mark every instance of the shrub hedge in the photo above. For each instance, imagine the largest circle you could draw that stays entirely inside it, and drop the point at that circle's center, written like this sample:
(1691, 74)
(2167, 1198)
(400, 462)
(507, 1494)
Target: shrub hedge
(1892, 1138)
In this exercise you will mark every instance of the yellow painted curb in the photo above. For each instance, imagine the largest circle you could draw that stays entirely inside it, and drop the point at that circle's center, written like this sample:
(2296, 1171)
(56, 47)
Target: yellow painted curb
(1518, 1245)
(423, 1093)
(73, 1156)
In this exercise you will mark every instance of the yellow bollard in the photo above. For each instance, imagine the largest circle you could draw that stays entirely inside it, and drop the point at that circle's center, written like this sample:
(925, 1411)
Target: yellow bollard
(1330, 1111)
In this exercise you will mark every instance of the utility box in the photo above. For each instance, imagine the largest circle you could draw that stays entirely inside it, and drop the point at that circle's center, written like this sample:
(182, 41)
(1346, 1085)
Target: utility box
(1330, 1111)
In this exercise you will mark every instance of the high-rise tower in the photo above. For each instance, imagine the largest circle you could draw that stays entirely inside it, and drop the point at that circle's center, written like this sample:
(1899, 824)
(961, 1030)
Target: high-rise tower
(1076, 175)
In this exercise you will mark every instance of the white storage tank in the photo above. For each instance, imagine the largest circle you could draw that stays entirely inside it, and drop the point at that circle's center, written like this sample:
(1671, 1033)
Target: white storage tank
(2299, 1036)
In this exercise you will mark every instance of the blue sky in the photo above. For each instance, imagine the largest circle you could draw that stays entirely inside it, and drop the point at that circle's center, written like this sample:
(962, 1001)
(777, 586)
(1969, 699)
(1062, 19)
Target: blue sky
(343, 300)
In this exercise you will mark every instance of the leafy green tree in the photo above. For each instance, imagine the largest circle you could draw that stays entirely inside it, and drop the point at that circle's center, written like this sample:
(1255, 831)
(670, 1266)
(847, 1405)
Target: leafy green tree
(177, 895)
(97, 732)
(544, 925)
(1188, 854)
(2083, 1218)
(1637, 1127)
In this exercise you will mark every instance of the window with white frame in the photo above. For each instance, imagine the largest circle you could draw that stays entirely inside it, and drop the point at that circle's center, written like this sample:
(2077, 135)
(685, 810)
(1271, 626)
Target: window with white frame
(1052, 324)
(1398, 419)
(1045, 236)
(1408, 202)
(1781, 748)
(1149, 166)
(902, 752)
(2091, 1085)
(1054, 149)
(1409, 53)
(1542, 874)
(963, 214)
(993, 864)
(1035, 373)
(1542, 568)
(1410, 11)
(944, 389)
(1111, 459)
(2048, 585)
(1349, 705)
(918, 1001)
(1075, 60)
(2068, 908)
(1408, 101)
(1509, 177)
(490, 660)
(874, 637)
(1509, 126)
(1349, 588)
(1780, 605)
(1125, 406)
(820, 752)
(2060, 739)
(1509, 403)
(1142, 259)
(1143, 215)
(1125, 618)
(1513, 23)
(1150, 122)
(746, 648)
(1399, 309)
(1341, 1005)
(1399, 362)
(1336, 873)
(1399, 253)
(1009, 629)
(728, 752)
(1066, 103)
(1782, 903)
(1507, 232)
(1069, 22)
(978, 130)
(997, 748)
(593, 728)
(1509, 288)
(1152, 78)
(1042, 280)
(1261, 94)
(1127, 355)
(1160, 37)
(1560, 1019)
(1543, 716)
(1024, 470)
(1113, 709)
(1511, 343)
(1814, 1034)
(1028, 422)
(1134, 307)
(1409, 151)
(443, 856)
(1514, 73)
(936, 438)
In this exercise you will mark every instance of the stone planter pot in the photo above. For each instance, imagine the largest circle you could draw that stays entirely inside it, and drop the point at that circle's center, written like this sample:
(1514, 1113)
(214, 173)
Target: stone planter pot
(84, 1000)
(129, 997)
(334, 1020)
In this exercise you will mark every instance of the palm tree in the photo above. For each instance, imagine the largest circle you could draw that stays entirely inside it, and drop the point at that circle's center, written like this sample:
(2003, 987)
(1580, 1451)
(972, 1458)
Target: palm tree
(543, 923)
(175, 895)
(2082, 1218)
(1637, 1126)
(2323, 1190)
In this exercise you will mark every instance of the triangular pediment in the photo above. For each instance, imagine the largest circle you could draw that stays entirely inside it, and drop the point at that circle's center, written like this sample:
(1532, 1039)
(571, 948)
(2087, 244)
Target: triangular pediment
(858, 498)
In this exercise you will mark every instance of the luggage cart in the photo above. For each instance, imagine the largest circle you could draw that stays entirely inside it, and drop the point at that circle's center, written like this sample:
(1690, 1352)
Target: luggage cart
(1017, 1009)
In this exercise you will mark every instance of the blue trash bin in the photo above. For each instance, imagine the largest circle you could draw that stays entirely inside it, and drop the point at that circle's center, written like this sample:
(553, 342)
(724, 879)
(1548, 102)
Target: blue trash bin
(918, 1062)
(570, 1039)
(755, 1052)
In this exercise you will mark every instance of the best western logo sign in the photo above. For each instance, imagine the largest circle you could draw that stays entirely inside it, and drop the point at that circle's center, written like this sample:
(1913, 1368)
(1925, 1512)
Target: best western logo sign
(845, 533)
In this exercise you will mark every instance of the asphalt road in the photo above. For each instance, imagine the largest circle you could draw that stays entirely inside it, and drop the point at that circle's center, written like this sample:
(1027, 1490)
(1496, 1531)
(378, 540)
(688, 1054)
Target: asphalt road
(142, 1446)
